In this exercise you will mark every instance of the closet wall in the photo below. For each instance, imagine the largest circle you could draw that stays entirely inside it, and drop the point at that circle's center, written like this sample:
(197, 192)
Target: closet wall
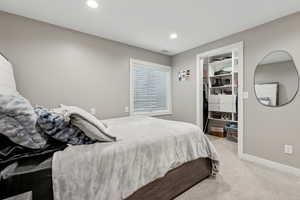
(262, 125)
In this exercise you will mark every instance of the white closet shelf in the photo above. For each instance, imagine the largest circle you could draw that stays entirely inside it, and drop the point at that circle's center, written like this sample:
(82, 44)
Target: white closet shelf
(221, 111)
(223, 120)
(224, 86)
(228, 60)
(221, 75)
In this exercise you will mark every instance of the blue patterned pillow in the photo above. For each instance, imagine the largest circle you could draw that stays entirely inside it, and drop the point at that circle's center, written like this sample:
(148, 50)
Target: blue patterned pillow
(18, 120)
(55, 126)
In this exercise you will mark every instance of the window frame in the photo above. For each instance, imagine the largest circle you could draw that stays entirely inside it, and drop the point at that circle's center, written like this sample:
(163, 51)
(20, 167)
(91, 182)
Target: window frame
(169, 88)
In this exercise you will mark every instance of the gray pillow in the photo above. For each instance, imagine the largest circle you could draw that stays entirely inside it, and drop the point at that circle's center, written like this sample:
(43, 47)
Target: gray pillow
(18, 121)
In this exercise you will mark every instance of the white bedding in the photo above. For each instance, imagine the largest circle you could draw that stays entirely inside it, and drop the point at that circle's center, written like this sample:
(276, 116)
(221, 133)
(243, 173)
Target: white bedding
(146, 150)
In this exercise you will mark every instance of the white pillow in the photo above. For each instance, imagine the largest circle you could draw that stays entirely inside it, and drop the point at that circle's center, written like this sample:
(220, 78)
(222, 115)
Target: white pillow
(90, 130)
(7, 80)
(87, 123)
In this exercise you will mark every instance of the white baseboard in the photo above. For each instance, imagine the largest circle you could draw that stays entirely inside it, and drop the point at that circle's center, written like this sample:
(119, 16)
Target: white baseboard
(271, 164)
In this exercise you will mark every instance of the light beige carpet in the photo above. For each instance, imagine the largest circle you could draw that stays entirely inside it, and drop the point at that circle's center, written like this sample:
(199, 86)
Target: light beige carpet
(241, 180)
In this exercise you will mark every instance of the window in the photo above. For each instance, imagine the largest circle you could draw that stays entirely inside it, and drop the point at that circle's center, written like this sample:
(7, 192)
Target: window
(150, 88)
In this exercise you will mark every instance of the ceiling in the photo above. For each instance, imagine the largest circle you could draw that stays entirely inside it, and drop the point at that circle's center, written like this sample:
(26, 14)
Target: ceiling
(148, 23)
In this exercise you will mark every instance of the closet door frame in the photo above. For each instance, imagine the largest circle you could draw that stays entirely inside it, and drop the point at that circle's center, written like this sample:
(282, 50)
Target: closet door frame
(237, 47)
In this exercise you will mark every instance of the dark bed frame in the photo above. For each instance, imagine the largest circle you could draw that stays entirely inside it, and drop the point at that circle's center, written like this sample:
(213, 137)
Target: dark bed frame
(174, 183)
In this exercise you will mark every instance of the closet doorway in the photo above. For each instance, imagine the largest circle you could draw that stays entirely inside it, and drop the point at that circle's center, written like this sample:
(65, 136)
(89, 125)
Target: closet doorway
(219, 92)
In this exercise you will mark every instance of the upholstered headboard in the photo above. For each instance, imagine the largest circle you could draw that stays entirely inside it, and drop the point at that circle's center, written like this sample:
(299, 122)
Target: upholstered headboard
(7, 80)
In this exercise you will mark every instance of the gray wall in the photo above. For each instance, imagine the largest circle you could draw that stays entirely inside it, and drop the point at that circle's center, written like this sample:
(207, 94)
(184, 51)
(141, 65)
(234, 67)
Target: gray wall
(266, 130)
(284, 73)
(54, 65)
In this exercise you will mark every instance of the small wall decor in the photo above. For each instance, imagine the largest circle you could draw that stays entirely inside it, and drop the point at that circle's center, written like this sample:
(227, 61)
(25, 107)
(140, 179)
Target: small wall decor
(184, 75)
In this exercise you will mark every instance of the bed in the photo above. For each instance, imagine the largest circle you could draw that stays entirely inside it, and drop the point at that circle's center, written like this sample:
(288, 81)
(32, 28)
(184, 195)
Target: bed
(36, 176)
(152, 159)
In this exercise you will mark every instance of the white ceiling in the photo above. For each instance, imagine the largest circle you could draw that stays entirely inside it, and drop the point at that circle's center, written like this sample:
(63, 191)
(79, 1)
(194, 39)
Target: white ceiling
(148, 23)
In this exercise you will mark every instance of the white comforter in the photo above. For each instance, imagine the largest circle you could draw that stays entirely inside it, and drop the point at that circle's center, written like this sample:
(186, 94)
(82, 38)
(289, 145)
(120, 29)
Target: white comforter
(146, 150)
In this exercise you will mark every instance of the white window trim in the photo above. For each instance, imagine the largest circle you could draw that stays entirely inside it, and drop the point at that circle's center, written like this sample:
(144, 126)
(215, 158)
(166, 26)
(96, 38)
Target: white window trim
(169, 89)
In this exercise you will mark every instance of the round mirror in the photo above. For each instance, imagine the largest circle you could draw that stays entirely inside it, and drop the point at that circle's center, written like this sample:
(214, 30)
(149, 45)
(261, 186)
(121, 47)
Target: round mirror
(276, 79)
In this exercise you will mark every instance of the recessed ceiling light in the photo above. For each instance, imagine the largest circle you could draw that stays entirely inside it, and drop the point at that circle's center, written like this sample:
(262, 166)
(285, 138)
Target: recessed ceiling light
(173, 36)
(92, 3)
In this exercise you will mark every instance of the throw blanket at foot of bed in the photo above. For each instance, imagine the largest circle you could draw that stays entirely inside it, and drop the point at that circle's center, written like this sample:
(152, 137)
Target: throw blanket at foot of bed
(147, 148)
